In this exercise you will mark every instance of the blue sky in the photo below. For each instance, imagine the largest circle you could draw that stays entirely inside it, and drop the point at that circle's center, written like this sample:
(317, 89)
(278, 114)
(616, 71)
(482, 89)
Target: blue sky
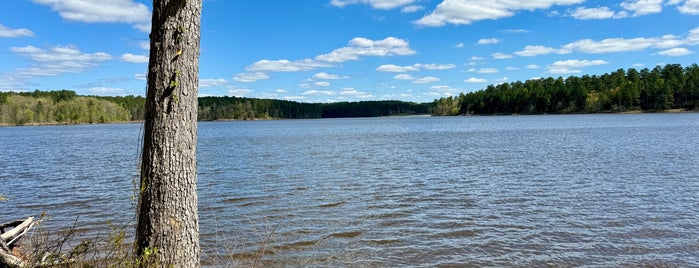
(345, 50)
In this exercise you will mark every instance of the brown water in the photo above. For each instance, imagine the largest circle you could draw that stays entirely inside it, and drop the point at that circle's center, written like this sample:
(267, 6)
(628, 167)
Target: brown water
(581, 190)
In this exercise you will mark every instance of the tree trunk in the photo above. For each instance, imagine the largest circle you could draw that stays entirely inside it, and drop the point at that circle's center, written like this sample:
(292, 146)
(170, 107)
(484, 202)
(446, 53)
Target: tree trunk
(167, 210)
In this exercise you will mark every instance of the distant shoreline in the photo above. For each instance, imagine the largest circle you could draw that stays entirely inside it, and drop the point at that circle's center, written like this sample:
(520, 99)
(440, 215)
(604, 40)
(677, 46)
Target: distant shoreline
(671, 111)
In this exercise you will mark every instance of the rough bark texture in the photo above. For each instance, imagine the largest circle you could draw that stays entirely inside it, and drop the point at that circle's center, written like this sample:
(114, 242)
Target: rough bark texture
(167, 212)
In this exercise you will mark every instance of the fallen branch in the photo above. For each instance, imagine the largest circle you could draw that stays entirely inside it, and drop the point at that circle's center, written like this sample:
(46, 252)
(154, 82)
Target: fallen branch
(7, 240)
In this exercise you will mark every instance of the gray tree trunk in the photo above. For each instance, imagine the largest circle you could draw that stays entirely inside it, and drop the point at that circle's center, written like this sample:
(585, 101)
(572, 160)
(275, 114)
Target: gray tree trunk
(167, 211)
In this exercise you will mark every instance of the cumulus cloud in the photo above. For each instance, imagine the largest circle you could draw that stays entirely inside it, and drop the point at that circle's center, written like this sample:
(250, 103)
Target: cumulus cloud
(643, 7)
(598, 13)
(443, 90)
(501, 56)
(460, 12)
(239, 92)
(573, 66)
(676, 52)
(8, 32)
(285, 65)
(327, 76)
(488, 71)
(530, 51)
(403, 77)
(488, 41)
(357, 47)
(377, 4)
(690, 7)
(360, 46)
(322, 84)
(250, 77)
(211, 82)
(318, 93)
(57, 60)
(476, 80)
(352, 92)
(532, 66)
(110, 11)
(392, 68)
(614, 45)
(426, 80)
(106, 91)
(411, 9)
(128, 57)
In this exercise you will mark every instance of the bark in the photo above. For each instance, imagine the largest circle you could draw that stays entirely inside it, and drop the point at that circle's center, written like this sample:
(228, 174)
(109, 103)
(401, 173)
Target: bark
(167, 212)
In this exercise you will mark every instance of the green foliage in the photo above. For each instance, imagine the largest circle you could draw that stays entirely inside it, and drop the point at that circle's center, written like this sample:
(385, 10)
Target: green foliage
(42, 108)
(659, 89)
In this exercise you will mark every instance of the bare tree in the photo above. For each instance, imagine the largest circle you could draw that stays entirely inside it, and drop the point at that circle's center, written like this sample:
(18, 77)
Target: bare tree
(168, 223)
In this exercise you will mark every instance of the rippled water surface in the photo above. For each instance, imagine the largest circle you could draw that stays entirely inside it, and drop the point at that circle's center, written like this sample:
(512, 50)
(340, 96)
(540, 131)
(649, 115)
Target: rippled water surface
(578, 190)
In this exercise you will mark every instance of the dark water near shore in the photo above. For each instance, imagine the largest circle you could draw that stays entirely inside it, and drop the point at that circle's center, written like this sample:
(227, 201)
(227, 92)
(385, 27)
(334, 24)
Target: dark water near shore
(578, 190)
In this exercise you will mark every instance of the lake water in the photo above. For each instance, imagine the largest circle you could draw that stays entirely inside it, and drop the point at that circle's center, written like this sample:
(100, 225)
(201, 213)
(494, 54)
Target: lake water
(555, 190)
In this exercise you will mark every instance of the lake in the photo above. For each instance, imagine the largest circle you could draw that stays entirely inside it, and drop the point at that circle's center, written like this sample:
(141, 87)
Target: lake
(549, 190)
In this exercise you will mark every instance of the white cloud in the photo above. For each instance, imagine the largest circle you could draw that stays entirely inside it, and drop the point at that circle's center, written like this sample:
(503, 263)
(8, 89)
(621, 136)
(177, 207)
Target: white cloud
(690, 7)
(327, 76)
(212, 82)
(239, 92)
(443, 90)
(532, 66)
(377, 4)
(476, 80)
(250, 77)
(676, 52)
(110, 11)
(7, 32)
(615, 45)
(106, 91)
(459, 45)
(530, 51)
(322, 84)
(573, 66)
(281, 91)
(488, 71)
(643, 7)
(467, 11)
(285, 65)
(355, 93)
(128, 57)
(391, 68)
(57, 60)
(477, 58)
(598, 13)
(411, 9)
(426, 80)
(501, 56)
(142, 76)
(432, 66)
(403, 77)
(360, 46)
(357, 47)
(489, 41)
(318, 92)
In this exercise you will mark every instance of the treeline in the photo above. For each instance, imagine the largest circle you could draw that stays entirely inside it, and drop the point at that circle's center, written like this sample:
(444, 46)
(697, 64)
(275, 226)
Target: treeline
(662, 88)
(234, 108)
(66, 107)
(57, 107)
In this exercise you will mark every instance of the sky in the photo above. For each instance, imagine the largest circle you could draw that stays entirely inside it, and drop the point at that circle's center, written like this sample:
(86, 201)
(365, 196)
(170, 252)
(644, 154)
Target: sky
(345, 50)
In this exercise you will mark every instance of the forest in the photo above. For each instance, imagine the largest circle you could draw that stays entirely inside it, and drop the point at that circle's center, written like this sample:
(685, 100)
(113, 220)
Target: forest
(669, 87)
(663, 88)
(66, 107)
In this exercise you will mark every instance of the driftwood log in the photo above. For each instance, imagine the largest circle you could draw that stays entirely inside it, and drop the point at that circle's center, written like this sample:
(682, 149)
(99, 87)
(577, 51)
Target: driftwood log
(8, 241)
